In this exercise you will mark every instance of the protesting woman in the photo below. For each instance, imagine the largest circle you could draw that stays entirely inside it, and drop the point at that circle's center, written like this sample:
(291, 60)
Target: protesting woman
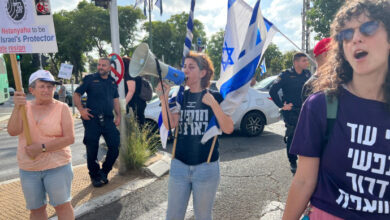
(45, 165)
(190, 171)
(346, 176)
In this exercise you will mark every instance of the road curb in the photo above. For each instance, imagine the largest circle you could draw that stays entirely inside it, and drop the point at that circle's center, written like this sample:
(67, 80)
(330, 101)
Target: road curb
(124, 190)
(160, 167)
(273, 210)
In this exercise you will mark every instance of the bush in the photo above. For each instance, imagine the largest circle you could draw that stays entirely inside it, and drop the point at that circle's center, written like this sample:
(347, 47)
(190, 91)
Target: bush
(142, 143)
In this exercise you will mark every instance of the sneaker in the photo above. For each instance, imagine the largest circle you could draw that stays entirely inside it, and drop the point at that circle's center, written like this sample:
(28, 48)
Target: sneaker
(103, 177)
(96, 182)
(293, 168)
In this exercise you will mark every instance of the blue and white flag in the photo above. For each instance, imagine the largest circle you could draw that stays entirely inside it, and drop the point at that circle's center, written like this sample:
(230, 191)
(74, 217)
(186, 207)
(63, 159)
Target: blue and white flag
(145, 5)
(263, 68)
(189, 35)
(137, 2)
(159, 5)
(176, 100)
(174, 104)
(241, 56)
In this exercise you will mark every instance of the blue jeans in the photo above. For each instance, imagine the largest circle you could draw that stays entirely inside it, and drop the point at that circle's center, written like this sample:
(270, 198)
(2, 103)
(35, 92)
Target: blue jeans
(202, 180)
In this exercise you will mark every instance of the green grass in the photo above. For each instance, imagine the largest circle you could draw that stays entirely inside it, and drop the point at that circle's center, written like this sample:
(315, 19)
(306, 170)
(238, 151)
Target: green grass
(142, 143)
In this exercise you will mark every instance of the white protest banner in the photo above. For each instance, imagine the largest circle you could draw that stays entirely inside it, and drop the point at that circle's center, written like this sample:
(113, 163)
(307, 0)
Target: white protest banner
(27, 27)
(65, 71)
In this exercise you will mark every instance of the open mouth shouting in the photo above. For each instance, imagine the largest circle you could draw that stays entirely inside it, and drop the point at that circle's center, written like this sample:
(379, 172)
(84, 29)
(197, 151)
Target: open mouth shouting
(360, 54)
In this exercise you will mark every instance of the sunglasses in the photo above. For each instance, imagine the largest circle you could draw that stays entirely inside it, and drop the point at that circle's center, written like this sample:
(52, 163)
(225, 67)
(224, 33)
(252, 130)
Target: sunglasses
(367, 29)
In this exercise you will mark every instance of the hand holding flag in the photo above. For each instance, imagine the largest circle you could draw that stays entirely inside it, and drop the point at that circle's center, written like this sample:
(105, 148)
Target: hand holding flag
(234, 81)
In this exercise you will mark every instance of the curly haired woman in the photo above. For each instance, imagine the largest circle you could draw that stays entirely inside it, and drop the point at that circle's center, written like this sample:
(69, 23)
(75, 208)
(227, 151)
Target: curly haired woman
(345, 173)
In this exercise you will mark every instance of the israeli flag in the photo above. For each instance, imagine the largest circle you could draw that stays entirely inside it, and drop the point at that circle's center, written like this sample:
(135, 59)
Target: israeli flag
(159, 5)
(241, 56)
(174, 104)
(263, 68)
(137, 2)
(176, 101)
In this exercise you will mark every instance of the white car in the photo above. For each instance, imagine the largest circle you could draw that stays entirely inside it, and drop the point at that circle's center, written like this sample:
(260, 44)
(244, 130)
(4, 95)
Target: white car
(256, 111)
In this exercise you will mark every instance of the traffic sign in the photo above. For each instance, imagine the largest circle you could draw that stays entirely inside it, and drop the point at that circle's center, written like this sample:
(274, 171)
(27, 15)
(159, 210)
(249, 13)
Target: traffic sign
(117, 67)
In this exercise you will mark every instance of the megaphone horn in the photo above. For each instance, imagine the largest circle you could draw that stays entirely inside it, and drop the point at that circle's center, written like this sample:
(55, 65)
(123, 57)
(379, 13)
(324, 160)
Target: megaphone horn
(143, 62)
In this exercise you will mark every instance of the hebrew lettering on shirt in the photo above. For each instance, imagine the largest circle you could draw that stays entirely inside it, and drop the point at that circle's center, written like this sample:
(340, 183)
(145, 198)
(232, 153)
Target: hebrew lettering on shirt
(358, 203)
(371, 184)
(193, 122)
(357, 134)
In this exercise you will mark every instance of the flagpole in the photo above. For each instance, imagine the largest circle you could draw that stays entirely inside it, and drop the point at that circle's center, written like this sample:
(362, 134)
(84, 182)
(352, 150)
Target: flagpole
(150, 27)
(308, 56)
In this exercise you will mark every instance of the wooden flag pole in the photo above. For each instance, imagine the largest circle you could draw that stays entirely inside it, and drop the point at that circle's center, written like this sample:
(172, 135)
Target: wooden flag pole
(212, 148)
(19, 87)
(174, 142)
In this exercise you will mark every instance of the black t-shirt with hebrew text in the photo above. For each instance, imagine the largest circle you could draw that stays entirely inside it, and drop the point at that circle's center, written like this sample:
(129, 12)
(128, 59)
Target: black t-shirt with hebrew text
(193, 122)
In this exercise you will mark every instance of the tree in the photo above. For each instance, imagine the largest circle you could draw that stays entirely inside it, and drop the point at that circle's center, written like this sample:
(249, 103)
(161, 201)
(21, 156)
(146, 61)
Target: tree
(163, 45)
(288, 59)
(92, 63)
(273, 59)
(71, 42)
(129, 17)
(321, 15)
(94, 23)
(214, 50)
(27, 67)
(168, 37)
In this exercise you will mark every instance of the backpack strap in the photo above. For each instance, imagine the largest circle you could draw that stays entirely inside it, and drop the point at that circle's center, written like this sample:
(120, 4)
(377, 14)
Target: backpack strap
(331, 114)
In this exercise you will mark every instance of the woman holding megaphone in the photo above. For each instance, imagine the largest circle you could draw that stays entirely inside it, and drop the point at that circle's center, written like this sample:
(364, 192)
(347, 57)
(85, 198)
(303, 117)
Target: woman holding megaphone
(190, 170)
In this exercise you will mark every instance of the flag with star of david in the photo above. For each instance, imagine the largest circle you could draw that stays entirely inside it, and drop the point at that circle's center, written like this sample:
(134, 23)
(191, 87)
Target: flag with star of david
(241, 55)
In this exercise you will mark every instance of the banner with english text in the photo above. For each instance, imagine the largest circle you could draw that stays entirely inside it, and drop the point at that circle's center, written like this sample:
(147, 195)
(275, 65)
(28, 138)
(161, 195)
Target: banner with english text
(27, 27)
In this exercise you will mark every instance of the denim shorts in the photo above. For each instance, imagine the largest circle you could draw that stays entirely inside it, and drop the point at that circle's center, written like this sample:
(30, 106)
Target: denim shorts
(56, 183)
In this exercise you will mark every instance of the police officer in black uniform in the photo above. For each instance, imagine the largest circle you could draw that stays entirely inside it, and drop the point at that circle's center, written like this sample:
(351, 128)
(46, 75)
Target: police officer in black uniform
(291, 82)
(98, 119)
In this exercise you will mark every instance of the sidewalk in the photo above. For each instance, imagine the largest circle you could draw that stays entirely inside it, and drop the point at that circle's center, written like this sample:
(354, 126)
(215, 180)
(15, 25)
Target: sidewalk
(13, 206)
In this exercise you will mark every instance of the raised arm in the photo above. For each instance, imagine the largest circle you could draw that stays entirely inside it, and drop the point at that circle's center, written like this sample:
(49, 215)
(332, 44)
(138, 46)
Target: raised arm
(224, 121)
(173, 117)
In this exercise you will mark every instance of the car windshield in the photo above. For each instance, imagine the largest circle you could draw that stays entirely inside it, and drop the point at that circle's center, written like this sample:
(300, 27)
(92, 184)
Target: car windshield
(265, 82)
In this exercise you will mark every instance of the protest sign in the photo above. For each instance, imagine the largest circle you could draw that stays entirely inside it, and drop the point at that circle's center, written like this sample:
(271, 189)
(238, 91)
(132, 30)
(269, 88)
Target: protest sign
(26, 27)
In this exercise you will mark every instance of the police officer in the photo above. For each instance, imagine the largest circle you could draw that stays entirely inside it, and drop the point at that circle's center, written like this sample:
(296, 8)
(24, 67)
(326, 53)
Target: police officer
(98, 119)
(291, 82)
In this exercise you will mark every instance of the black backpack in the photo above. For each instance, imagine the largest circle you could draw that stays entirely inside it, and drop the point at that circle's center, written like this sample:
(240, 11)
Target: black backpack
(332, 104)
(146, 91)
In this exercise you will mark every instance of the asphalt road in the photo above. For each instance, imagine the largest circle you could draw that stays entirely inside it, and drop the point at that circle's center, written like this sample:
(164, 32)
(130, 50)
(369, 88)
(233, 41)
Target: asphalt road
(254, 172)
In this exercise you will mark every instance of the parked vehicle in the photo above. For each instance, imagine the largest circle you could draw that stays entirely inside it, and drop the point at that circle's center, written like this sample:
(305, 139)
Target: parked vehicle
(256, 111)
(11, 91)
(4, 89)
(69, 94)
(265, 84)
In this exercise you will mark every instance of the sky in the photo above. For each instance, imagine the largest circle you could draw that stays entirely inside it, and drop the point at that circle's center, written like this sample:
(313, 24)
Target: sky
(284, 14)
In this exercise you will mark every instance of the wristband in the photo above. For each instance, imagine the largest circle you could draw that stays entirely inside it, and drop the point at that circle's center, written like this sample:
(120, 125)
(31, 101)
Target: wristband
(43, 148)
